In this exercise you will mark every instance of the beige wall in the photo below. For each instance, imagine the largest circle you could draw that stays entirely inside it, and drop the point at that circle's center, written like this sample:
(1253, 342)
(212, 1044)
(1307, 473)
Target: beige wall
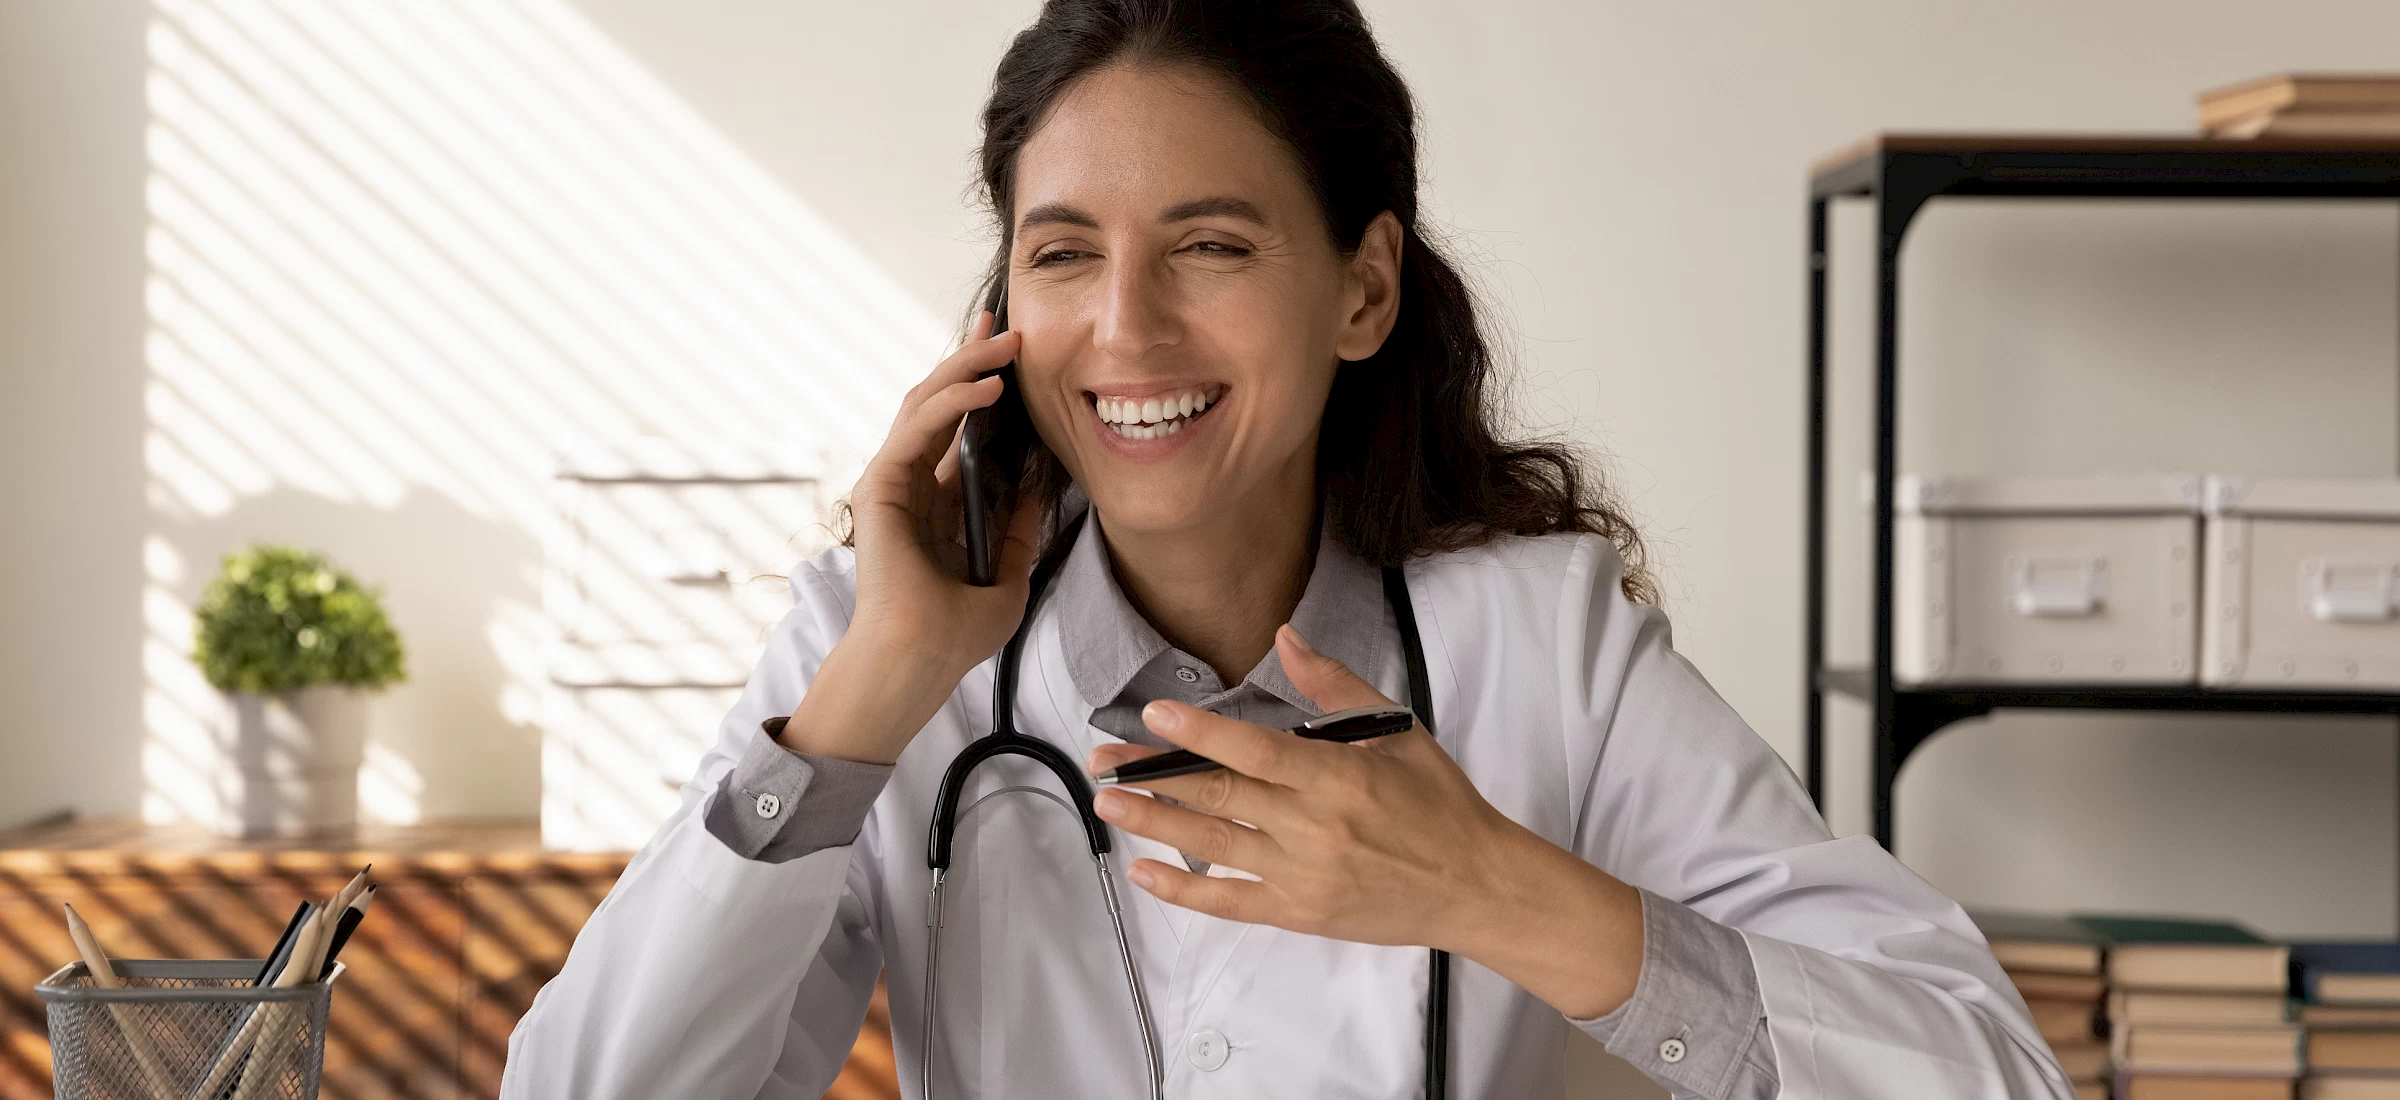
(1628, 181)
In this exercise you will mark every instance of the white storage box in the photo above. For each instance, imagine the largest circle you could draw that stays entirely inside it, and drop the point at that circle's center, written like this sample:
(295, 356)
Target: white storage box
(2302, 586)
(2046, 580)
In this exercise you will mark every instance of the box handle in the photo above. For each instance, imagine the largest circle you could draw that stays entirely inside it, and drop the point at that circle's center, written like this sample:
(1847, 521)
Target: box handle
(2062, 585)
(2347, 591)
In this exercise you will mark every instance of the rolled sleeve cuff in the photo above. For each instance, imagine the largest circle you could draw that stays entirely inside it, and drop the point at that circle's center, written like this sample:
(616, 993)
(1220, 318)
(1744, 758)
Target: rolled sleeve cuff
(778, 804)
(1696, 1022)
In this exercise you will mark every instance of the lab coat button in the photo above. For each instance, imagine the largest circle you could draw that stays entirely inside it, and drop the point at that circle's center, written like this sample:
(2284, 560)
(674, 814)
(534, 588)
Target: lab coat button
(769, 805)
(1208, 1048)
(1671, 1051)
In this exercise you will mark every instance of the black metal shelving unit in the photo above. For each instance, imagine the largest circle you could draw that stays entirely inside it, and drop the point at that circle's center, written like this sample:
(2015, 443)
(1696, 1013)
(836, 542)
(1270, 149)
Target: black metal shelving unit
(1899, 174)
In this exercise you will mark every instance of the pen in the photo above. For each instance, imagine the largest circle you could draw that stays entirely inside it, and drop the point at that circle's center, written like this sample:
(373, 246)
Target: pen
(1355, 724)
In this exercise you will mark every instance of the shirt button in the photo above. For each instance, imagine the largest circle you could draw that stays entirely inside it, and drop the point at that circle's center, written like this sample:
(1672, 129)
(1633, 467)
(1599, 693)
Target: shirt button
(1185, 674)
(1671, 1051)
(769, 805)
(1208, 1048)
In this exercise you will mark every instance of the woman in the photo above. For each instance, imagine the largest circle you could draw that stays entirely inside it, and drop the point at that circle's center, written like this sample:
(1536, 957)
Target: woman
(1236, 346)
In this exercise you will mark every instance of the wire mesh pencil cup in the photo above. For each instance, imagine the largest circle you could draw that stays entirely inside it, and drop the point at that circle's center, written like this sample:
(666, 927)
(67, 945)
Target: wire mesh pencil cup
(185, 1030)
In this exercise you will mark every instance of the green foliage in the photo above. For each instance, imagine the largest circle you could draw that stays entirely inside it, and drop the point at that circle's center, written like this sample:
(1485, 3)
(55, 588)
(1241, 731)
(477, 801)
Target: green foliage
(278, 618)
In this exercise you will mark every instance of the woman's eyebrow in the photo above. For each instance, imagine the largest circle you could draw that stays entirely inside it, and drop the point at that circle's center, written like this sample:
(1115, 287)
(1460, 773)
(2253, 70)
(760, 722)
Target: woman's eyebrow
(1056, 213)
(1220, 206)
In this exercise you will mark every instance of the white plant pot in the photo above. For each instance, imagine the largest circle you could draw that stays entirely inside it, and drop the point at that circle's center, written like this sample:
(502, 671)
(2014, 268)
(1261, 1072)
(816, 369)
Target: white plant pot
(290, 762)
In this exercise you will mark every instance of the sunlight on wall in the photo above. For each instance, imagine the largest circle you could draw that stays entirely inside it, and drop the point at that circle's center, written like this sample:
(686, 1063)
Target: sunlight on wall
(402, 258)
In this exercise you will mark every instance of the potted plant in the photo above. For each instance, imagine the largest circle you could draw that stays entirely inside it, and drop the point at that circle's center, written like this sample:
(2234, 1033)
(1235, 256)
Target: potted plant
(296, 644)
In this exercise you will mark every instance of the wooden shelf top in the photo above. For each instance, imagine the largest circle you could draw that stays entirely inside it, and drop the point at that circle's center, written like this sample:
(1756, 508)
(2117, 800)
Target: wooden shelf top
(109, 844)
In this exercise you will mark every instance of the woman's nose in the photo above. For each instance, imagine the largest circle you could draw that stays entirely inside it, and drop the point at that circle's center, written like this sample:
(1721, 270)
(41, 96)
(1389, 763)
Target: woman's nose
(1135, 315)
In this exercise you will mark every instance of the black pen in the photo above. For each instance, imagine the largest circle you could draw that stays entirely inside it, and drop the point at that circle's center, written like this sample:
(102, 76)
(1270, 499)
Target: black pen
(1355, 724)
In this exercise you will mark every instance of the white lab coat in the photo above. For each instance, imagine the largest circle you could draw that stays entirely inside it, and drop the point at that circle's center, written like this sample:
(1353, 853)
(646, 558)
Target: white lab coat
(705, 975)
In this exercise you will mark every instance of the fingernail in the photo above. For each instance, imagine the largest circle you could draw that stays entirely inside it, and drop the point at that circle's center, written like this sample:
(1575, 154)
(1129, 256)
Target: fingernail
(1139, 875)
(1161, 717)
(1300, 642)
(1109, 805)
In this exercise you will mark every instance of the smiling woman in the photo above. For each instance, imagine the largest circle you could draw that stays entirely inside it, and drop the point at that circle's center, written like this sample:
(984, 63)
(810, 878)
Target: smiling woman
(1173, 192)
(1267, 486)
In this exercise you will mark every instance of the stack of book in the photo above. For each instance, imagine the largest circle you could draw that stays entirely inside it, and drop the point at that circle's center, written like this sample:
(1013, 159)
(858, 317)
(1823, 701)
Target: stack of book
(2056, 965)
(2197, 1010)
(2351, 994)
(2304, 105)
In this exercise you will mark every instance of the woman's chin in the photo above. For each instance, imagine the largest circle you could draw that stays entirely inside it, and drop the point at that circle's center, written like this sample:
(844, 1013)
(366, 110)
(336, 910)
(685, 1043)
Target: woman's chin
(1142, 505)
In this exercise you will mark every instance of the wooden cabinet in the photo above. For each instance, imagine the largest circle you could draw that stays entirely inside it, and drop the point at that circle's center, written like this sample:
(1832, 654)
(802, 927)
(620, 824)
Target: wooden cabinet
(468, 921)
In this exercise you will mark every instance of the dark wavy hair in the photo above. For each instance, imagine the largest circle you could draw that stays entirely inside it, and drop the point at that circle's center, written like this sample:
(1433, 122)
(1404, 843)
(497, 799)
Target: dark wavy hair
(1415, 463)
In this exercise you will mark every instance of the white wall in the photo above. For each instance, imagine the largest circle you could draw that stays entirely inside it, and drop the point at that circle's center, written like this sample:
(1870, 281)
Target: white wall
(1627, 178)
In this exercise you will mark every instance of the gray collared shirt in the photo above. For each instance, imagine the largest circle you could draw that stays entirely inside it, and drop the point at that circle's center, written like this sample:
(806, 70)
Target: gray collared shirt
(1696, 1022)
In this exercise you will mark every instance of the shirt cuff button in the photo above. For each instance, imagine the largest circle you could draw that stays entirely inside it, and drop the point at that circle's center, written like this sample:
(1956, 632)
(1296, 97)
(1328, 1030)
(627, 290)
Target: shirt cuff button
(1671, 1051)
(769, 805)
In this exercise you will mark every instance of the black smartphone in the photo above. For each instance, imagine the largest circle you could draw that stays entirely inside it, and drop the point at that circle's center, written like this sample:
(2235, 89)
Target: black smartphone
(991, 456)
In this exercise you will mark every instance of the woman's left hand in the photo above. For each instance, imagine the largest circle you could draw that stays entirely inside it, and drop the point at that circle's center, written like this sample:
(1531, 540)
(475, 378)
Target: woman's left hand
(1381, 841)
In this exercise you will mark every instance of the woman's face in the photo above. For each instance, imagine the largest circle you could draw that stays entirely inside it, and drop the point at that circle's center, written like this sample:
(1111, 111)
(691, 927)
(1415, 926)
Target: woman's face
(1182, 305)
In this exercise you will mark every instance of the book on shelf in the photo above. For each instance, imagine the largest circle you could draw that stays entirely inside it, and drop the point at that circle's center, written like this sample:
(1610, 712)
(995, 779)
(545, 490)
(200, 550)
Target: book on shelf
(2304, 105)
(2213, 1050)
(2039, 944)
(2324, 124)
(2138, 1008)
(2061, 1021)
(2176, 1086)
(2363, 973)
(2082, 1059)
(2350, 1015)
(2058, 987)
(2337, 1049)
(2349, 1087)
(2167, 954)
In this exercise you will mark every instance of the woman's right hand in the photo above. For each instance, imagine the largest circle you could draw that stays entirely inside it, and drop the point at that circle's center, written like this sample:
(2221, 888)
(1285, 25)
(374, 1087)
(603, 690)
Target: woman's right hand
(919, 626)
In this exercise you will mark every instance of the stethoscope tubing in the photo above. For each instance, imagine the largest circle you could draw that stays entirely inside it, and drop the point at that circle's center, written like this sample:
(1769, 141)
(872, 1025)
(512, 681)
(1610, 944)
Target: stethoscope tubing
(1004, 740)
(1116, 920)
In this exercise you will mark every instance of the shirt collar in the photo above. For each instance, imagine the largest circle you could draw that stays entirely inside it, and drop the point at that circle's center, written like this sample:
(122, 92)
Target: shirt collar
(1340, 613)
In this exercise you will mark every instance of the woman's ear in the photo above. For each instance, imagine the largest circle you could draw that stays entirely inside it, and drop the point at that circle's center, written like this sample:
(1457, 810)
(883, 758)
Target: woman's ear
(1373, 298)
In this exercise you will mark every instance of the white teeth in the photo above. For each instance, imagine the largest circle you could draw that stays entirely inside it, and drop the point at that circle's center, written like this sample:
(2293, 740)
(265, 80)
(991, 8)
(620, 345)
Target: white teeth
(1150, 417)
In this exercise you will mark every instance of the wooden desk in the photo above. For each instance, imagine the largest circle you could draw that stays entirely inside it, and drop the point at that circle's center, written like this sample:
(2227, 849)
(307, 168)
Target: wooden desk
(470, 918)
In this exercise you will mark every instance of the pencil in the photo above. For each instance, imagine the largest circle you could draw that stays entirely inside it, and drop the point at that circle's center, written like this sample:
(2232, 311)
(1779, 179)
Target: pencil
(341, 930)
(350, 890)
(283, 943)
(105, 977)
(279, 1036)
(312, 936)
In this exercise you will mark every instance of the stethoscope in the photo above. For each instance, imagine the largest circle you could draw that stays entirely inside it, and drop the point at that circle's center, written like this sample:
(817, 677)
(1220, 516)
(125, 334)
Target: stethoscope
(1004, 740)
